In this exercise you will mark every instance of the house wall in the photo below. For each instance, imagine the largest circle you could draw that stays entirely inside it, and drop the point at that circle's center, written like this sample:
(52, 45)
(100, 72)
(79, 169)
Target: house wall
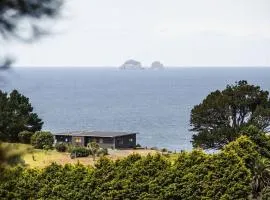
(104, 142)
(126, 141)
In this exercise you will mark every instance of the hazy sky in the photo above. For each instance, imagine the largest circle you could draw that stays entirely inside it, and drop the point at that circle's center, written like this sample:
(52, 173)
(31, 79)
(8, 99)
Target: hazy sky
(176, 32)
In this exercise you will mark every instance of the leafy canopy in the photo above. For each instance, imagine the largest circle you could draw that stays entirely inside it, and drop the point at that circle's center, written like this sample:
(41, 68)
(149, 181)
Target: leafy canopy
(193, 176)
(16, 115)
(42, 140)
(222, 114)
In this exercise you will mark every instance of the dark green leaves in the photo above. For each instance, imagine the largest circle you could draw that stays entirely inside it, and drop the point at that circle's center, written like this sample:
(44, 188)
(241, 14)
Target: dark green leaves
(194, 175)
(16, 115)
(222, 114)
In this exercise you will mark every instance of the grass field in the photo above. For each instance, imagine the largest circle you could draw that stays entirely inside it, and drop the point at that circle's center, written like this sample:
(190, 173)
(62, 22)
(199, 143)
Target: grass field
(40, 158)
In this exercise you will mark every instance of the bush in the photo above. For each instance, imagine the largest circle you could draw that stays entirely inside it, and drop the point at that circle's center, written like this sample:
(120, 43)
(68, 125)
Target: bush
(80, 152)
(102, 152)
(25, 137)
(163, 150)
(192, 175)
(138, 146)
(70, 147)
(41, 140)
(61, 147)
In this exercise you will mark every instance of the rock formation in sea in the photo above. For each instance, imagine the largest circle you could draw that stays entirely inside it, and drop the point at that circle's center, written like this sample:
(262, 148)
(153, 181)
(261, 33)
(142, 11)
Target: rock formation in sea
(131, 64)
(157, 65)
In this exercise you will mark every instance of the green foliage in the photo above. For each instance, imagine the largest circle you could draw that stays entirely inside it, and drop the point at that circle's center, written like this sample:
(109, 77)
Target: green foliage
(259, 138)
(102, 152)
(222, 114)
(138, 145)
(245, 149)
(164, 150)
(93, 148)
(80, 152)
(16, 115)
(265, 193)
(261, 177)
(194, 175)
(61, 147)
(25, 137)
(9, 157)
(251, 152)
(42, 140)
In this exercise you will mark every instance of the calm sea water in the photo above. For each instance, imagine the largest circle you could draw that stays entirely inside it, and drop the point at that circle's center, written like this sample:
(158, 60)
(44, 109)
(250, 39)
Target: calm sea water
(156, 104)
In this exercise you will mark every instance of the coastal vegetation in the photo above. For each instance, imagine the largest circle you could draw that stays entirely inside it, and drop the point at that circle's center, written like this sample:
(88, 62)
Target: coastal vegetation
(233, 121)
(42, 140)
(16, 116)
(228, 174)
(222, 115)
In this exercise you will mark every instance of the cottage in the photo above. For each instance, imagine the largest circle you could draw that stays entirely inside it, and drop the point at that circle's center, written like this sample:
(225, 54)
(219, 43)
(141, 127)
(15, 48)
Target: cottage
(114, 140)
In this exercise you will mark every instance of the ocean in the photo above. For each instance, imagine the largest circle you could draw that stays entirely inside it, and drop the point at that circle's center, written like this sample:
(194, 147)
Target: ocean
(155, 103)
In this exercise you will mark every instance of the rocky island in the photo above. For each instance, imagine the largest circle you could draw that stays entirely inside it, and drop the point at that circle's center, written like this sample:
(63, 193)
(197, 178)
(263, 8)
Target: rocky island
(157, 65)
(131, 64)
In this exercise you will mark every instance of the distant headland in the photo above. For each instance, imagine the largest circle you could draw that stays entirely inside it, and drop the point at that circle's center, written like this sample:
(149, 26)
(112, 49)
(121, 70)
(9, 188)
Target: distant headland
(136, 65)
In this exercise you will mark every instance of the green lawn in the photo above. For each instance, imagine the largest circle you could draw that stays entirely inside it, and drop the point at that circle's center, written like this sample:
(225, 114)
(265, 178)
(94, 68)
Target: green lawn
(35, 157)
(39, 158)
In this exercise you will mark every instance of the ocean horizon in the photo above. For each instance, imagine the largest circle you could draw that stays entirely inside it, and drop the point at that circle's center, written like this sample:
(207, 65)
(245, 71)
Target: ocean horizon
(155, 103)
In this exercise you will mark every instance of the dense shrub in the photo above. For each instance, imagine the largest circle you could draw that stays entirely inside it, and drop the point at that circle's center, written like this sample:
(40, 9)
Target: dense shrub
(193, 175)
(69, 147)
(163, 150)
(80, 152)
(25, 137)
(41, 140)
(102, 152)
(138, 145)
(61, 147)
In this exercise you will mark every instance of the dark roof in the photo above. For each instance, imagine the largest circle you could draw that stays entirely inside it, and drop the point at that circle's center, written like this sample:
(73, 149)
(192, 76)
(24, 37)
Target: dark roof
(95, 133)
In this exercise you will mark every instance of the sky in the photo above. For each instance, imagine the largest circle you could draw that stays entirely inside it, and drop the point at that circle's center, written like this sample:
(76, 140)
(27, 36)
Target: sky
(176, 32)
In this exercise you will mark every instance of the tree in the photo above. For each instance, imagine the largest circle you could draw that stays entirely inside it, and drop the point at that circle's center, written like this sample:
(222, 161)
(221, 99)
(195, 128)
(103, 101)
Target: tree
(25, 137)
(42, 140)
(61, 147)
(222, 114)
(21, 19)
(93, 147)
(16, 115)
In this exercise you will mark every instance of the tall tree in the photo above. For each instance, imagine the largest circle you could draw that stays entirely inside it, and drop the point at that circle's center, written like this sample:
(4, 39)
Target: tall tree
(16, 115)
(222, 114)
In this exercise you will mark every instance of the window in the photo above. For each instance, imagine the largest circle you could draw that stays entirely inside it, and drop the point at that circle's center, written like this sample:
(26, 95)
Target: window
(130, 139)
(78, 140)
